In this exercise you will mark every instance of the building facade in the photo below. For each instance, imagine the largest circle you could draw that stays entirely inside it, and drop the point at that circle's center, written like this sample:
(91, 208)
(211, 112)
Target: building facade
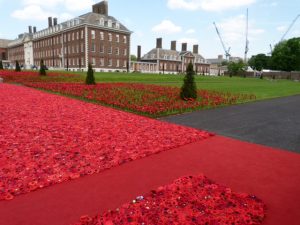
(3, 49)
(161, 60)
(95, 38)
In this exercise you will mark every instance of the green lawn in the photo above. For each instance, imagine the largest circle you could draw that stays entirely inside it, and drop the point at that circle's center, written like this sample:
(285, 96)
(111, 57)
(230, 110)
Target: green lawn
(263, 89)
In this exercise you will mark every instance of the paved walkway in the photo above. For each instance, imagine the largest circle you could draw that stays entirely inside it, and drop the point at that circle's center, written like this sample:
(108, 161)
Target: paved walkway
(274, 123)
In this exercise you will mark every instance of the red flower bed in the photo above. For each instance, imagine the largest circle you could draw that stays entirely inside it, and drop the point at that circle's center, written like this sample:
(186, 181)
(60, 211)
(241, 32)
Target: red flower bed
(11, 76)
(188, 200)
(150, 100)
(47, 139)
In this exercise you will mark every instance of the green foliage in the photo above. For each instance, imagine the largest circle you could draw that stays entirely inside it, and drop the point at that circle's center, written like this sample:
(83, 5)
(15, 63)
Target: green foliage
(189, 88)
(18, 68)
(133, 58)
(236, 68)
(259, 62)
(90, 79)
(286, 55)
(42, 68)
(1, 65)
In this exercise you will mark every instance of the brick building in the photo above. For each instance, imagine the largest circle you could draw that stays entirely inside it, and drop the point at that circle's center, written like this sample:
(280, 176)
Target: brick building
(3, 48)
(161, 60)
(95, 38)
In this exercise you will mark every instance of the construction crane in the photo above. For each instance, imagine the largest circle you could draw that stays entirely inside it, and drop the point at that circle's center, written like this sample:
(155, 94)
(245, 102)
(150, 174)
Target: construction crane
(290, 27)
(247, 41)
(271, 48)
(227, 54)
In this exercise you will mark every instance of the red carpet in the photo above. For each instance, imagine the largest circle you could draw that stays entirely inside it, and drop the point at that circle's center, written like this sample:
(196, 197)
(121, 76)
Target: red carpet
(270, 174)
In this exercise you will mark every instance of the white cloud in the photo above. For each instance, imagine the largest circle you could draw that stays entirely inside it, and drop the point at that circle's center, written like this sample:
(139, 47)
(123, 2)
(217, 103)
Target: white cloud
(190, 31)
(208, 5)
(70, 5)
(166, 27)
(33, 12)
(233, 32)
(234, 29)
(78, 5)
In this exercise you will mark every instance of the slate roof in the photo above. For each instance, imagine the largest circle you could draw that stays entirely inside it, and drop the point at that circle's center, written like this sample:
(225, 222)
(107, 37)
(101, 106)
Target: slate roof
(171, 55)
(94, 19)
(4, 43)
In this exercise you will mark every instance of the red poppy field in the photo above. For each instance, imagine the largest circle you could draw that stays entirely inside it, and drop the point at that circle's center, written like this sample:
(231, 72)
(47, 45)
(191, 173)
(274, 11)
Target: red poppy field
(150, 100)
(188, 200)
(48, 139)
(145, 99)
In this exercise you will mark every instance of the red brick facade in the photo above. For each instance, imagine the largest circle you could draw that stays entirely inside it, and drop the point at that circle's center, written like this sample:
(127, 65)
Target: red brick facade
(91, 38)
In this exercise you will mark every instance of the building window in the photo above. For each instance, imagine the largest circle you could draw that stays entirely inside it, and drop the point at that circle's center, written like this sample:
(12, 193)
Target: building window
(110, 62)
(93, 61)
(109, 37)
(77, 48)
(125, 39)
(101, 61)
(110, 50)
(77, 35)
(117, 51)
(101, 48)
(82, 48)
(118, 63)
(81, 34)
(117, 25)
(101, 22)
(118, 38)
(69, 38)
(109, 23)
(73, 36)
(101, 36)
(125, 63)
(125, 52)
(93, 34)
(93, 47)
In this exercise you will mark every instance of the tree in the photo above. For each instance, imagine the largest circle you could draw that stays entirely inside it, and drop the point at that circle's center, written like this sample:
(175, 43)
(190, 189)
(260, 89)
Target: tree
(90, 79)
(259, 62)
(236, 68)
(286, 55)
(18, 68)
(189, 88)
(133, 58)
(1, 65)
(42, 68)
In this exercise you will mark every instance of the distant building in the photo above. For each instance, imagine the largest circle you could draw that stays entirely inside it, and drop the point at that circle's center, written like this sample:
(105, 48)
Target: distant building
(3, 48)
(95, 38)
(160, 60)
(217, 65)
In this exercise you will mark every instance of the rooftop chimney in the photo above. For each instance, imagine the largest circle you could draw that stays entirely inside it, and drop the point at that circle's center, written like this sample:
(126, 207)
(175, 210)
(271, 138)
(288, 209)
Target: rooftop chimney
(173, 45)
(30, 29)
(159, 43)
(49, 21)
(196, 49)
(101, 8)
(184, 47)
(139, 53)
(34, 29)
(54, 21)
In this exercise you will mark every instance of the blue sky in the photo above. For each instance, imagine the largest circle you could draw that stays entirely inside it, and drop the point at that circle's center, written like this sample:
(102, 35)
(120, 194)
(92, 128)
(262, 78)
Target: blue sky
(182, 20)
